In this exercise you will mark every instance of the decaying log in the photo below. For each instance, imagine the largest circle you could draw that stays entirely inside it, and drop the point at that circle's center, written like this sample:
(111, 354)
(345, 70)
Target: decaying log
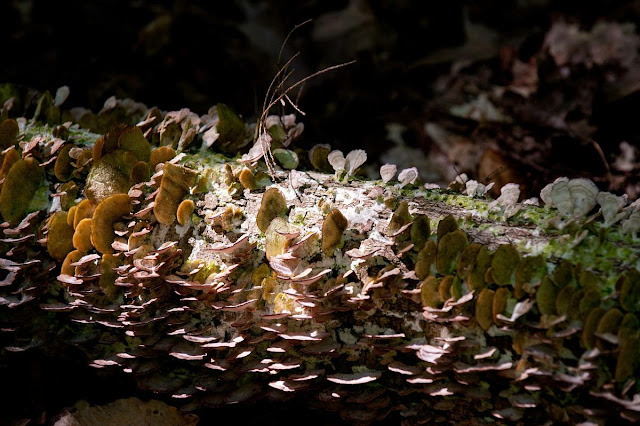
(376, 300)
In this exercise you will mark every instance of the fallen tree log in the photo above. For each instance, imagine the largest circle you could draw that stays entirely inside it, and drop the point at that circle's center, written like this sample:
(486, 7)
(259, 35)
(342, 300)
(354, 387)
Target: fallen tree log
(214, 285)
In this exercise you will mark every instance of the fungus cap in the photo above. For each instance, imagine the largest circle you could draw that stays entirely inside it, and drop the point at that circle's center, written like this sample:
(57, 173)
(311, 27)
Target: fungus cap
(106, 214)
(184, 212)
(450, 246)
(484, 308)
(273, 205)
(504, 264)
(109, 175)
(82, 235)
(60, 236)
(176, 181)
(20, 185)
(333, 227)
(400, 218)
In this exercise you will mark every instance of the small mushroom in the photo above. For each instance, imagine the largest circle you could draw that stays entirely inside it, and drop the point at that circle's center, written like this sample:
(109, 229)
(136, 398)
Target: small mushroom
(611, 206)
(590, 300)
(355, 159)
(63, 168)
(484, 309)
(279, 236)
(546, 297)
(450, 246)
(131, 139)
(176, 181)
(426, 261)
(630, 291)
(583, 196)
(572, 198)
(563, 301)
(10, 157)
(628, 361)
(71, 215)
(387, 172)
(231, 130)
(60, 236)
(72, 257)
(429, 292)
(273, 205)
(20, 185)
(400, 218)
(466, 260)
(68, 194)
(420, 232)
(82, 236)
(184, 212)
(588, 338)
(140, 172)
(159, 155)
(476, 278)
(9, 131)
(287, 158)
(333, 227)
(106, 214)
(609, 323)
(504, 264)
(248, 179)
(408, 176)
(84, 209)
(499, 305)
(628, 326)
(318, 157)
(444, 288)
(564, 272)
(109, 175)
(447, 224)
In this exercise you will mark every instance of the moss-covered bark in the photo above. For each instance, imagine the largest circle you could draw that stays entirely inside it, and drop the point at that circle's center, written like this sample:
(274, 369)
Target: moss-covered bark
(520, 313)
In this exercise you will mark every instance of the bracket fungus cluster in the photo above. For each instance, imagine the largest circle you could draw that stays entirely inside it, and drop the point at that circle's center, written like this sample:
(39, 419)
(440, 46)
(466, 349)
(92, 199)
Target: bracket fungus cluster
(213, 287)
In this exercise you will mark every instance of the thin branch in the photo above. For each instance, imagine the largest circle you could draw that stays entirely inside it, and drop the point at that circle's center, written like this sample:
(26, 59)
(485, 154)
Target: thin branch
(304, 80)
(294, 105)
(275, 78)
(286, 39)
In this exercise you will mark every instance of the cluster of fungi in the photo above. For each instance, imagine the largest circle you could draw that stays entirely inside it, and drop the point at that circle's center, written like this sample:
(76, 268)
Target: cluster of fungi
(213, 285)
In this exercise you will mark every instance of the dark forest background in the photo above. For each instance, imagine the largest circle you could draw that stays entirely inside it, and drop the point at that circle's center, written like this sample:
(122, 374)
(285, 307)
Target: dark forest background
(563, 75)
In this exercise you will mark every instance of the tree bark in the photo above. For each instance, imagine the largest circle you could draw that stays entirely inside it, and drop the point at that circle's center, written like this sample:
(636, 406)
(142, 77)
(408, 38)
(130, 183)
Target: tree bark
(197, 312)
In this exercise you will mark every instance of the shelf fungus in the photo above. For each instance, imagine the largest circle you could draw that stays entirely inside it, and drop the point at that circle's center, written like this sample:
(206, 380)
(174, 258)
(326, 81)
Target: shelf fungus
(349, 306)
